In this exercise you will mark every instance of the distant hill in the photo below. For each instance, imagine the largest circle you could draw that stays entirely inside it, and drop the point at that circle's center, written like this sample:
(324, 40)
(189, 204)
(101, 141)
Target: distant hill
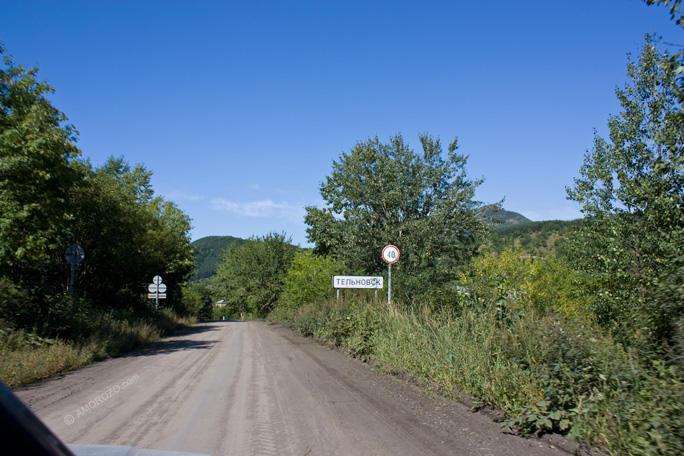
(208, 252)
(509, 217)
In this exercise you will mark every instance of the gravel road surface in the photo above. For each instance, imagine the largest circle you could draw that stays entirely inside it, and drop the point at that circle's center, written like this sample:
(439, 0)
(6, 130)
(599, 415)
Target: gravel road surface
(254, 388)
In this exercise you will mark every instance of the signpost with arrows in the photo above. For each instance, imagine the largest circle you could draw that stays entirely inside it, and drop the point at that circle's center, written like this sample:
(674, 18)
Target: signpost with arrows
(157, 290)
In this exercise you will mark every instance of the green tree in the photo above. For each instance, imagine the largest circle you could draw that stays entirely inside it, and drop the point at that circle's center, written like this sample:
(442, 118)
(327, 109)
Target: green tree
(129, 236)
(198, 300)
(308, 279)
(380, 194)
(36, 178)
(630, 189)
(250, 276)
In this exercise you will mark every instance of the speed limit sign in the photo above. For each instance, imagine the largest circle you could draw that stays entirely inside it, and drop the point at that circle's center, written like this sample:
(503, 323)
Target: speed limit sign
(390, 254)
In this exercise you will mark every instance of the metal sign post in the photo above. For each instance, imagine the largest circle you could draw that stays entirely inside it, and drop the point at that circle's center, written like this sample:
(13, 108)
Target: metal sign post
(74, 255)
(391, 255)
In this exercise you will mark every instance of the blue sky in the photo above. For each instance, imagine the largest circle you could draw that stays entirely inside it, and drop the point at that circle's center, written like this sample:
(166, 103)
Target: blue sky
(240, 108)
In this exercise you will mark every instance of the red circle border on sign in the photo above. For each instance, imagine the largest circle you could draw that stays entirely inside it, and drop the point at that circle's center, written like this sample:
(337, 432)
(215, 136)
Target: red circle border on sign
(383, 254)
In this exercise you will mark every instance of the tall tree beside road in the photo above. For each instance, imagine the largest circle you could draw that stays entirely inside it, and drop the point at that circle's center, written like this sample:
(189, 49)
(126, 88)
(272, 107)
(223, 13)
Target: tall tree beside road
(49, 199)
(250, 276)
(381, 194)
(145, 235)
(631, 189)
(36, 179)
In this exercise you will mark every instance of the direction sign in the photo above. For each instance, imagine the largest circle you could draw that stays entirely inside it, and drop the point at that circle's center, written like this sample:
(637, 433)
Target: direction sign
(156, 290)
(390, 254)
(153, 288)
(74, 254)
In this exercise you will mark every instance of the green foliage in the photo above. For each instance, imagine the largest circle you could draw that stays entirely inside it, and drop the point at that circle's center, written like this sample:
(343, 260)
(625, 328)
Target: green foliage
(308, 279)
(26, 357)
(516, 281)
(224, 313)
(351, 323)
(129, 236)
(198, 300)
(49, 200)
(250, 276)
(542, 239)
(36, 178)
(208, 254)
(380, 194)
(631, 190)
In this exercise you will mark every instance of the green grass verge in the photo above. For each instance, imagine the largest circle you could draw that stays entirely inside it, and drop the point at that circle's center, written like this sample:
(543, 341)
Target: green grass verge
(26, 358)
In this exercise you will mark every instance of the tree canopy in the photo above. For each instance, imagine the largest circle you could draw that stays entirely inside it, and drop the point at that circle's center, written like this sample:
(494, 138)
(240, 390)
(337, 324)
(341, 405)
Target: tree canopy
(251, 274)
(380, 194)
(631, 189)
(50, 199)
(36, 179)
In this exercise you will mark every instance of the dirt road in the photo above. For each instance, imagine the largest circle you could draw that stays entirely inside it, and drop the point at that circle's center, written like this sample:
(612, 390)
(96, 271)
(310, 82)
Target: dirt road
(252, 388)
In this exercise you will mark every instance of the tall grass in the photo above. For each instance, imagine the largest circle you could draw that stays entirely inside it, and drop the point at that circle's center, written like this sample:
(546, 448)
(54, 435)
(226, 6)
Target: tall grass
(545, 372)
(26, 357)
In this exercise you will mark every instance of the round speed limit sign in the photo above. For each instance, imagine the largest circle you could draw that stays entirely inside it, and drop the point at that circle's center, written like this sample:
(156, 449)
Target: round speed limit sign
(390, 254)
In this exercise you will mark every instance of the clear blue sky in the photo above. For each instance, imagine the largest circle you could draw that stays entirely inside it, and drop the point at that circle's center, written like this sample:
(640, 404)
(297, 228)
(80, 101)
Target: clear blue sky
(240, 108)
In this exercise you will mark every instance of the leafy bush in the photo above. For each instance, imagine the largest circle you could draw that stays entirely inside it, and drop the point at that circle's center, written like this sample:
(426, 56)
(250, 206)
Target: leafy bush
(516, 282)
(250, 276)
(308, 279)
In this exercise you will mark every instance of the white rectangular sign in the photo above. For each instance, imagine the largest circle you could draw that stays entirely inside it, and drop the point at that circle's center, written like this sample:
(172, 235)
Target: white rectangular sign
(357, 282)
(155, 295)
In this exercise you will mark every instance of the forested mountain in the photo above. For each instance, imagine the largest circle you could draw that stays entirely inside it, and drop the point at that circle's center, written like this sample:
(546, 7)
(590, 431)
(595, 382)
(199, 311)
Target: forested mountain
(508, 217)
(544, 239)
(208, 252)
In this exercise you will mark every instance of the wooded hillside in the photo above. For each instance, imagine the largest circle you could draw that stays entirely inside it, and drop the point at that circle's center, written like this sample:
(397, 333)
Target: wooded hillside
(208, 252)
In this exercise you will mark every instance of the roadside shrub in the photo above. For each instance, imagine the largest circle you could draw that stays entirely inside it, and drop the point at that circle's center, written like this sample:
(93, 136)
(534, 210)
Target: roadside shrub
(352, 323)
(308, 280)
(517, 282)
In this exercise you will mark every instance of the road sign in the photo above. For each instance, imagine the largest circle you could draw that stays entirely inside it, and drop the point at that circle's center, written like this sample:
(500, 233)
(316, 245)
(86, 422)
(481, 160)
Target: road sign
(390, 254)
(156, 290)
(152, 288)
(74, 254)
(357, 282)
